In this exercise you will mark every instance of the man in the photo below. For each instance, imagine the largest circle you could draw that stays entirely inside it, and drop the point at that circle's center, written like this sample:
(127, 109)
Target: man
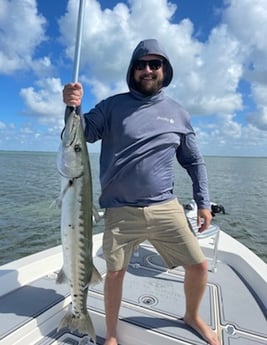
(142, 131)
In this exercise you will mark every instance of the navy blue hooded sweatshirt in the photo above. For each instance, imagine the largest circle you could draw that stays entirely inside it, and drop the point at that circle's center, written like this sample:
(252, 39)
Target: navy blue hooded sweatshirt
(141, 135)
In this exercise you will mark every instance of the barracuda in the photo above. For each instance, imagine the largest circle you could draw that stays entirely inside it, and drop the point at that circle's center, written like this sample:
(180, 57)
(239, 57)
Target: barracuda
(76, 224)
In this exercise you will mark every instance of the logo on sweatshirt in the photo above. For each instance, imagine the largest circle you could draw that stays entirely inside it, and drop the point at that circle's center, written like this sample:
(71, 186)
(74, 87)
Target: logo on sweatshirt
(162, 118)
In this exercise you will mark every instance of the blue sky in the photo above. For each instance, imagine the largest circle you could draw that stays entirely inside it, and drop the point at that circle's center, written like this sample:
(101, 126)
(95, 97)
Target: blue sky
(218, 49)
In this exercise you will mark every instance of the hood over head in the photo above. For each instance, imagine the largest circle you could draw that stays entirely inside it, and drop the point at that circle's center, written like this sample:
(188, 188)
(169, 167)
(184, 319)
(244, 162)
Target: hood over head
(147, 47)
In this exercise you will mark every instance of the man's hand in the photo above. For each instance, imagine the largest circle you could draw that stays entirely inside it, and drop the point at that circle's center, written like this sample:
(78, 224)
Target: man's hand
(72, 94)
(204, 218)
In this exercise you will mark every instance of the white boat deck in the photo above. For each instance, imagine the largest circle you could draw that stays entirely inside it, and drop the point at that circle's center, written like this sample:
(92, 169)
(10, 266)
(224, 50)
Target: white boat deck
(151, 311)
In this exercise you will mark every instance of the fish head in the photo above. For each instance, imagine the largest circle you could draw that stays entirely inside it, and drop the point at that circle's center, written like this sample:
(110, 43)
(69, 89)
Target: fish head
(70, 161)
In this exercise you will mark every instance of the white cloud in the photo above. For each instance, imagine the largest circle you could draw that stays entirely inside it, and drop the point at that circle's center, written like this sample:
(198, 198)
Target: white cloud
(207, 74)
(26, 130)
(45, 102)
(27, 137)
(229, 127)
(259, 117)
(247, 21)
(2, 125)
(225, 136)
(260, 93)
(22, 29)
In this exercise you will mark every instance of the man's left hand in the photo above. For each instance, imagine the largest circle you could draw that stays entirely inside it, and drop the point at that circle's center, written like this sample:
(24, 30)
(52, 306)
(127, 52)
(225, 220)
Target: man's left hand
(204, 218)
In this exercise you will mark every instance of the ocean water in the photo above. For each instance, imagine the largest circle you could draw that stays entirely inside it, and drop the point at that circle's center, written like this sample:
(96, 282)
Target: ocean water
(30, 182)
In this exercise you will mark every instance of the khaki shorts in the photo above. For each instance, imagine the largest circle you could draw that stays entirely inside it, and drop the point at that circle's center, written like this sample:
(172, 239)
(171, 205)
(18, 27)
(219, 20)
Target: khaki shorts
(164, 225)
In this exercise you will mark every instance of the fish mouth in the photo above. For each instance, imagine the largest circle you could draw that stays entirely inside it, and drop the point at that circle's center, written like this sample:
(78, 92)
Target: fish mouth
(70, 156)
(69, 132)
(71, 138)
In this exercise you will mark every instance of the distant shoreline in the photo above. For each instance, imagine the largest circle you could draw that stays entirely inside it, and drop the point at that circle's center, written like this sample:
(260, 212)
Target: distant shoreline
(98, 152)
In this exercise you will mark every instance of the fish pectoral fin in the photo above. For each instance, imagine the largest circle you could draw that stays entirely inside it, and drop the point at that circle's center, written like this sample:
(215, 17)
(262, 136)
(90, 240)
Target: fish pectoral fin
(64, 191)
(61, 277)
(56, 203)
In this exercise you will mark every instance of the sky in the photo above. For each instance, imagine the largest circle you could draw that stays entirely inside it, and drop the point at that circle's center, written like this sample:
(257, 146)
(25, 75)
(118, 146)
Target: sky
(218, 49)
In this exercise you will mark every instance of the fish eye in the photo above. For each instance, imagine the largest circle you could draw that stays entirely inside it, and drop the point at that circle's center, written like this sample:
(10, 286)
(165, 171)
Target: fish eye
(77, 148)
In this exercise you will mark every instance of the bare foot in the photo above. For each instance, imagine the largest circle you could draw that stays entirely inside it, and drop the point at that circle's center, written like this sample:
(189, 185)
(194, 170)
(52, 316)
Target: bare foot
(111, 341)
(204, 330)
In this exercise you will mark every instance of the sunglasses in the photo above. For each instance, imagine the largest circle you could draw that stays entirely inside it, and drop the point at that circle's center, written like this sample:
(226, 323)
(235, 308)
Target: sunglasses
(154, 65)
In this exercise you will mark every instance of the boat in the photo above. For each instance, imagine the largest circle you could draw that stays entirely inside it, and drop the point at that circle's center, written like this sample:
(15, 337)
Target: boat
(234, 303)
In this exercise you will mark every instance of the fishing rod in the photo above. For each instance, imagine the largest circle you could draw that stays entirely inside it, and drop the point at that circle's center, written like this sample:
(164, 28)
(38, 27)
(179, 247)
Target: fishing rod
(77, 54)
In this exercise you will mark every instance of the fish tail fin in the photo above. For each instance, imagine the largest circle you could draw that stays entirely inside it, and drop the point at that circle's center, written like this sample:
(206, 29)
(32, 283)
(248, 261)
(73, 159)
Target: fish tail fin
(96, 276)
(81, 323)
(61, 277)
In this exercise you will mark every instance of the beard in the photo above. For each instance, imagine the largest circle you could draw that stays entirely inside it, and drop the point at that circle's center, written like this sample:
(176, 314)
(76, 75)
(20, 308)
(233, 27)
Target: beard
(148, 88)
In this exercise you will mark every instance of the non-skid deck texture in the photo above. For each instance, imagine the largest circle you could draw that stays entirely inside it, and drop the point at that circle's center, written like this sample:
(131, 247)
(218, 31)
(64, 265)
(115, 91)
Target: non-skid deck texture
(153, 299)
